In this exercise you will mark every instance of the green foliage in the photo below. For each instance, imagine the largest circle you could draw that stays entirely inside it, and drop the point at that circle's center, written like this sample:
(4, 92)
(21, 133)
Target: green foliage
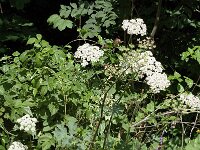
(193, 144)
(97, 106)
(98, 15)
(192, 53)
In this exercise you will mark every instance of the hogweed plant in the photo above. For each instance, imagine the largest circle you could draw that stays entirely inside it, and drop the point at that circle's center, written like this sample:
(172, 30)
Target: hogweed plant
(92, 98)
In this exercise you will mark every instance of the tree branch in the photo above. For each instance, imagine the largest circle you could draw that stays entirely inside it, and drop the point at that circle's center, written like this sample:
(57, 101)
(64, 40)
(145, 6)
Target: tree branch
(153, 32)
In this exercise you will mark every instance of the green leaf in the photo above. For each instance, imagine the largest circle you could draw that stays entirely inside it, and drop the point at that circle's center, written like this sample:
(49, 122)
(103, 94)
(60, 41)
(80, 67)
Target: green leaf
(16, 54)
(44, 90)
(44, 43)
(180, 88)
(126, 126)
(2, 91)
(39, 36)
(2, 147)
(150, 107)
(35, 92)
(72, 125)
(53, 18)
(53, 109)
(46, 141)
(73, 5)
(176, 75)
(189, 82)
(31, 40)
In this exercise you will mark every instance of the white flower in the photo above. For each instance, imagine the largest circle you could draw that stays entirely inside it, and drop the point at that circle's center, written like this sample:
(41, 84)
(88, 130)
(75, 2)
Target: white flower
(144, 64)
(125, 24)
(190, 100)
(17, 146)
(157, 82)
(134, 26)
(88, 53)
(27, 123)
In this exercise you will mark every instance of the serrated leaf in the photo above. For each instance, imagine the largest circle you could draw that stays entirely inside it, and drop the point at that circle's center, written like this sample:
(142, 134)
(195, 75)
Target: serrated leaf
(46, 141)
(62, 25)
(69, 23)
(58, 23)
(53, 18)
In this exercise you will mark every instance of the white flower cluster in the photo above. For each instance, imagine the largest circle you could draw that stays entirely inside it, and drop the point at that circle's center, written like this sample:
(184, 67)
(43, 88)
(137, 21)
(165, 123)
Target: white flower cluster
(88, 53)
(144, 64)
(134, 26)
(157, 82)
(190, 100)
(27, 123)
(17, 146)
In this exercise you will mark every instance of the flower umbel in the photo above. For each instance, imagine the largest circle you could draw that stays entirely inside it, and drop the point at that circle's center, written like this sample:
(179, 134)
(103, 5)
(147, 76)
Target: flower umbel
(190, 100)
(88, 53)
(27, 123)
(17, 146)
(145, 65)
(134, 26)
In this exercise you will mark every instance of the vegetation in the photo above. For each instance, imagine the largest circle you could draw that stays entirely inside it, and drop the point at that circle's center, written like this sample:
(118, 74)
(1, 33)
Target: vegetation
(89, 75)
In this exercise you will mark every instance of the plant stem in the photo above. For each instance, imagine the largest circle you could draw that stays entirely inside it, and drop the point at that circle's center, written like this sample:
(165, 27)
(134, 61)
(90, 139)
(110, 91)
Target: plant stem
(153, 32)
